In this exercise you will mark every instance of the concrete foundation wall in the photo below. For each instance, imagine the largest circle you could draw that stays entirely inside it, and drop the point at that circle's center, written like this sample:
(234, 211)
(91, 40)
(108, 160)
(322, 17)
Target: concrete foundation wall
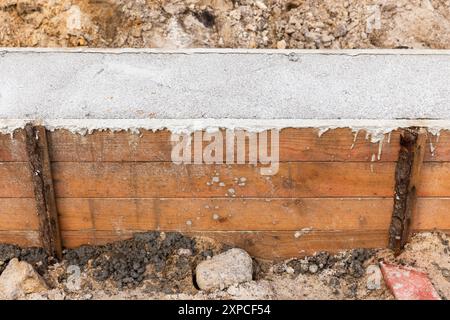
(219, 84)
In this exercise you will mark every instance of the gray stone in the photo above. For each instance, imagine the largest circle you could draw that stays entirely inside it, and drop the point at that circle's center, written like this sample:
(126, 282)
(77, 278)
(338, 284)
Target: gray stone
(313, 268)
(231, 267)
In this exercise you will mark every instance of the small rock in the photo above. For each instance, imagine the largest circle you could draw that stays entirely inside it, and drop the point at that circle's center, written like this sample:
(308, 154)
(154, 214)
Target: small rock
(281, 44)
(19, 279)
(184, 252)
(313, 268)
(304, 268)
(88, 296)
(261, 5)
(290, 270)
(312, 36)
(374, 277)
(250, 27)
(215, 179)
(136, 32)
(27, 6)
(340, 31)
(174, 8)
(327, 38)
(228, 268)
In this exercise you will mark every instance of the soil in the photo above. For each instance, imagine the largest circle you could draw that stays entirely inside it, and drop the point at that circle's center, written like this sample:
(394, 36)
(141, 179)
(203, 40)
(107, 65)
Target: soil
(161, 266)
(226, 23)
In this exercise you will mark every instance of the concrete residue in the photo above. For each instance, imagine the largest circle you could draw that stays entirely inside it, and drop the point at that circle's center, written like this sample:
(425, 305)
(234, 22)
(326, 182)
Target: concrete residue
(302, 232)
(375, 129)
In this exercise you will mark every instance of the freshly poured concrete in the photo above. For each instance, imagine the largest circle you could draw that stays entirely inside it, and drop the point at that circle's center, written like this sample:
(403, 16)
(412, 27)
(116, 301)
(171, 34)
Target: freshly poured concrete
(223, 84)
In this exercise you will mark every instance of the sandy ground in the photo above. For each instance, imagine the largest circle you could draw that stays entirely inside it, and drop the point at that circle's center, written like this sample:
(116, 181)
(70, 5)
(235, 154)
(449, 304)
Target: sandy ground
(226, 23)
(352, 274)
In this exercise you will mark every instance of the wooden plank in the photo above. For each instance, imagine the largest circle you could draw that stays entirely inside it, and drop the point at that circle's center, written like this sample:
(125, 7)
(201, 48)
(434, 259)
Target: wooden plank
(18, 214)
(41, 175)
(21, 238)
(438, 147)
(435, 180)
(15, 180)
(296, 144)
(178, 214)
(301, 144)
(172, 214)
(407, 177)
(12, 147)
(298, 179)
(432, 214)
(263, 244)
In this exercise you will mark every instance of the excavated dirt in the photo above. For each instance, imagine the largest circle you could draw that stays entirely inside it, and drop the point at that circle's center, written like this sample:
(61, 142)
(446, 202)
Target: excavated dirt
(161, 266)
(226, 23)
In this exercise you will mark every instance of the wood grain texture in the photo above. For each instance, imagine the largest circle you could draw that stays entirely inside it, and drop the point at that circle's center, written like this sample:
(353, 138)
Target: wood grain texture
(21, 238)
(306, 179)
(234, 214)
(18, 214)
(15, 180)
(434, 180)
(438, 147)
(224, 214)
(293, 180)
(432, 214)
(12, 147)
(163, 179)
(296, 144)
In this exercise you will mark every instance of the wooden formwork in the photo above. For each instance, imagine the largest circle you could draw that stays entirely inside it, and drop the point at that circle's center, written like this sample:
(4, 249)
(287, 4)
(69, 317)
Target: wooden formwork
(331, 192)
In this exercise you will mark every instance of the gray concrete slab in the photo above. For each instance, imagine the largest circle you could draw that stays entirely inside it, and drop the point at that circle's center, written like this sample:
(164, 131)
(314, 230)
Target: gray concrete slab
(216, 84)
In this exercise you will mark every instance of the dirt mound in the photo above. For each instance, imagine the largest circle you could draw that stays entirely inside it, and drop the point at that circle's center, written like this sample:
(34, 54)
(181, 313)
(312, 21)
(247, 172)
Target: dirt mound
(35, 256)
(157, 265)
(165, 260)
(226, 23)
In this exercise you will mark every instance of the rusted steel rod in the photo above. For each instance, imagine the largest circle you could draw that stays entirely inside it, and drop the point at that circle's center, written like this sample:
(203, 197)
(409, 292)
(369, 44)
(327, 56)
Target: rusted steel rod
(40, 168)
(407, 175)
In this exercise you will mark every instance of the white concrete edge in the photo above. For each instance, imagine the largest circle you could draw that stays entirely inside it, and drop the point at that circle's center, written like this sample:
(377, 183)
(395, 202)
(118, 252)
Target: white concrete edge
(345, 52)
(375, 129)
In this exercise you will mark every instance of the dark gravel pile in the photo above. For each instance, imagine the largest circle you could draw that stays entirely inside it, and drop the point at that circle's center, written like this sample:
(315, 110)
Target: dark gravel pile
(347, 264)
(34, 256)
(166, 260)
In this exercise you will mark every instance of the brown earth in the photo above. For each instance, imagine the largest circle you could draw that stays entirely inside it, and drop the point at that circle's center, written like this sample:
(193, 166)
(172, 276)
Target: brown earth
(160, 266)
(226, 23)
